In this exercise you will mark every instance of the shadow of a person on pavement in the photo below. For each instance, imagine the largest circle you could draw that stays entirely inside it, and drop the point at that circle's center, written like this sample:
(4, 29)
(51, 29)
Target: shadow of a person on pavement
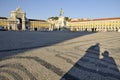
(90, 67)
(110, 69)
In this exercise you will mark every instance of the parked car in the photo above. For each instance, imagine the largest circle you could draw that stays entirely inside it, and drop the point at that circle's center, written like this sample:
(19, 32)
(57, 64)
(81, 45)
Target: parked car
(2, 28)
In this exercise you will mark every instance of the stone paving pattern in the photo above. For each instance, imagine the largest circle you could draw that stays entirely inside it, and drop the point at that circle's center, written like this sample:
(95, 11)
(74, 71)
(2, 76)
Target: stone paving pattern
(59, 55)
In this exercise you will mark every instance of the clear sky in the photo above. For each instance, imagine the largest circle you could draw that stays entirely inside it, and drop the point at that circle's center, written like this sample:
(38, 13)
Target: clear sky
(43, 9)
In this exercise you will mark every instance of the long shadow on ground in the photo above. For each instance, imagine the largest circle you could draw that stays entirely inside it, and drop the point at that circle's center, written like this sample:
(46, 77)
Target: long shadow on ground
(90, 67)
(12, 43)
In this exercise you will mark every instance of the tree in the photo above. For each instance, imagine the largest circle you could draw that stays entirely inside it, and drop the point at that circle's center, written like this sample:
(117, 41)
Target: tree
(56, 18)
(53, 18)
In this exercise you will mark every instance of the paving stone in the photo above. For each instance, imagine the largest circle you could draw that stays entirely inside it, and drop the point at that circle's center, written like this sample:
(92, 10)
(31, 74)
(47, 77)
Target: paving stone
(60, 55)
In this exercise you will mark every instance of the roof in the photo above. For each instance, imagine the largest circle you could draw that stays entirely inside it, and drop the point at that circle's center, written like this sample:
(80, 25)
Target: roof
(37, 20)
(3, 18)
(106, 19)
(99, 19)
(80, 20)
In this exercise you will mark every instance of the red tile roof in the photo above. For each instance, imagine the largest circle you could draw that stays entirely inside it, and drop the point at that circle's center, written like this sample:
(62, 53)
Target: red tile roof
(106, 18)
(99, 19)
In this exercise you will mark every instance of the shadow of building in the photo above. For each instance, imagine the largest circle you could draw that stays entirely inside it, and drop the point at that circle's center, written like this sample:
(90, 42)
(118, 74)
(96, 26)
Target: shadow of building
(21, 41)
(91, 67)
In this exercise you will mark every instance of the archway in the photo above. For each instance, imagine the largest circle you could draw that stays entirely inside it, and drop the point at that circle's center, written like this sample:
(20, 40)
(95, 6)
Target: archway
(19, 23)
(18, 20)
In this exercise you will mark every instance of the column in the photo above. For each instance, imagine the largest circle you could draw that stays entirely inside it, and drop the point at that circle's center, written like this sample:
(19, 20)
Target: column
(23, 25)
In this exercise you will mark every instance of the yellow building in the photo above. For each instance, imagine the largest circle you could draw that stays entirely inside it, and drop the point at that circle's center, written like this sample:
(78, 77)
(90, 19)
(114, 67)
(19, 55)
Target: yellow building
(33, 24)
(39, 24)
(103, 24)
(18, 21)
(3, 22)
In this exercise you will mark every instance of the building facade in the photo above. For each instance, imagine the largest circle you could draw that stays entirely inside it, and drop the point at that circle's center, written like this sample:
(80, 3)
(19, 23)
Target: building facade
(103, 24)
(18, 21)
(39, 25)
(3, 22)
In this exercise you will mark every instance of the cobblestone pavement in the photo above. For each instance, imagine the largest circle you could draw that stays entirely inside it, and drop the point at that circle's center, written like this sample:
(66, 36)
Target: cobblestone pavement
(59, 56)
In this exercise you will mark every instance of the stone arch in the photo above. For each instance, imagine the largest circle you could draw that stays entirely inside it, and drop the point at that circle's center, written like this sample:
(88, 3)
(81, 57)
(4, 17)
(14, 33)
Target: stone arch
(19, 23)
(17, 20)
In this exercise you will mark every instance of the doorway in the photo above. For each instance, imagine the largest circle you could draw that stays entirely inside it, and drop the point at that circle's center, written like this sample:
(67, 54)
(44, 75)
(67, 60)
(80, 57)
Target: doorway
(19, 23)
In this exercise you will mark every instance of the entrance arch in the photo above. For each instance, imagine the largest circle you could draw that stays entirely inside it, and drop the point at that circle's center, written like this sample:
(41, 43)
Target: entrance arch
(17, 20)
(19, 23)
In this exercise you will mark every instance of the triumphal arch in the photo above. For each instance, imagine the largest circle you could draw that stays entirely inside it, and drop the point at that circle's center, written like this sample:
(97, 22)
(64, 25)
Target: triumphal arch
(17, 20)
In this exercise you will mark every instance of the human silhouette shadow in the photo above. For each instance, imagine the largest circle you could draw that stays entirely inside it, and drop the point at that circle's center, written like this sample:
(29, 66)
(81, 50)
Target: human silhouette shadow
(111, 68)
(91, 67)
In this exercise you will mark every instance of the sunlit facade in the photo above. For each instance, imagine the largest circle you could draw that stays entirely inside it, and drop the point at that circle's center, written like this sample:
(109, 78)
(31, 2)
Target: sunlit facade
(18, 21)
(33, 24)
(103, 24)
(3, 22)
(39, 24)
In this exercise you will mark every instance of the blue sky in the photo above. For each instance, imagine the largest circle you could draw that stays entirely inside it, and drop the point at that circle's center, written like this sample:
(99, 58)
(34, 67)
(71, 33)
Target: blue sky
(43, 9)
